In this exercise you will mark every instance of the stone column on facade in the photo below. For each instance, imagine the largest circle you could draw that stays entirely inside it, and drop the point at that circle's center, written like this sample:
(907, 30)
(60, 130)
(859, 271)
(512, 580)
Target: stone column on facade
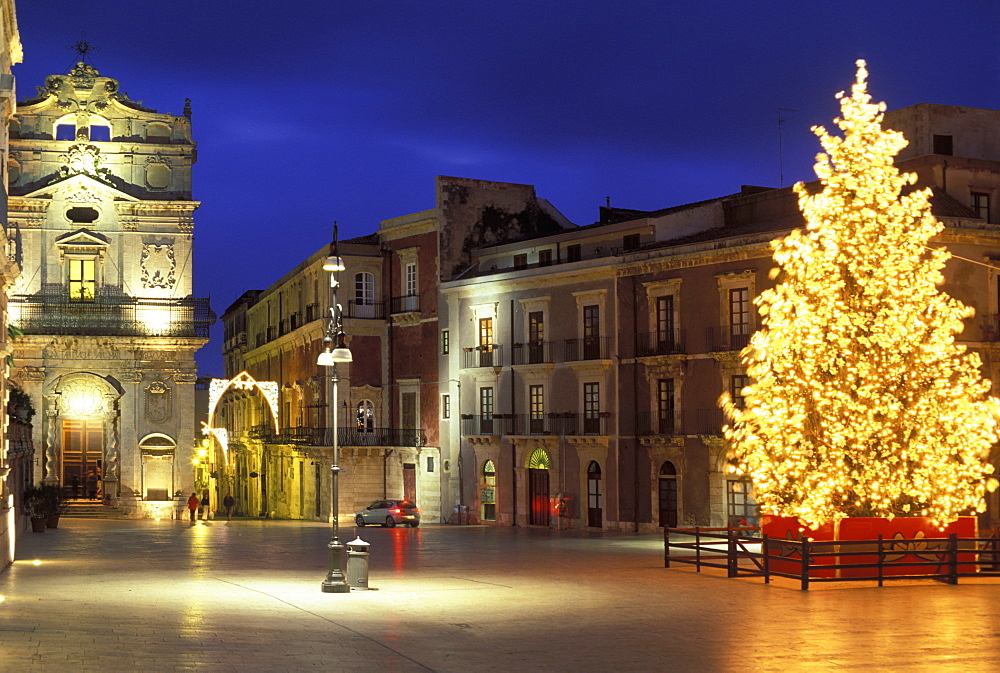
(129, 469)
(112, 432)
(52, 449)
(184, 417)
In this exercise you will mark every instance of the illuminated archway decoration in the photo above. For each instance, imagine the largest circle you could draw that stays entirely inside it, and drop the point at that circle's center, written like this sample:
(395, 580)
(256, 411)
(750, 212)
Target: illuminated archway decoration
(221, 435)
(242, 381)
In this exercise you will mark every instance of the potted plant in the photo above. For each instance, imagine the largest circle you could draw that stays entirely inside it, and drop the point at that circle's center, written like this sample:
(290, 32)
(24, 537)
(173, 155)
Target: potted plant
(54, 505)
(34, 507)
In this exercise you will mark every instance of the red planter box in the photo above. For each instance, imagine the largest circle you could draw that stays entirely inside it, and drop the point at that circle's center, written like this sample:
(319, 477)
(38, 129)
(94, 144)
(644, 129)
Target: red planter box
(908, 539)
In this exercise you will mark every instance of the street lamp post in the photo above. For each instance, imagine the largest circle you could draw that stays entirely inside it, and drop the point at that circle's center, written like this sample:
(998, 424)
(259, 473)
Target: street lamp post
(334, 350)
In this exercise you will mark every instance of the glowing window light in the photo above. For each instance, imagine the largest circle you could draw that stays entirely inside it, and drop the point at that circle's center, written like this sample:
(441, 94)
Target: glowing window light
(155, 320)
(861, 403)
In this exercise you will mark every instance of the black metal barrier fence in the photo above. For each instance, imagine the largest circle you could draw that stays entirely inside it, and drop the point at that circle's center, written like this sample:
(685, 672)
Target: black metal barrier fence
(744, 552)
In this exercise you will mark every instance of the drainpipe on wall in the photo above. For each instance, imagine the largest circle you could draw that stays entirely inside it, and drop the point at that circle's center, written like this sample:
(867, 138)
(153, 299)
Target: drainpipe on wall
(635, 403)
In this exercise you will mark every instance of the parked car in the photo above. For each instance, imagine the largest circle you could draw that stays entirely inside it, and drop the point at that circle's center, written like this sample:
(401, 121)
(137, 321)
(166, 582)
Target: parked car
(388, 513)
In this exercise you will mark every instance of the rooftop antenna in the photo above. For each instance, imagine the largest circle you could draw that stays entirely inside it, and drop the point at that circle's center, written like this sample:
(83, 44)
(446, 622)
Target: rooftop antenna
(83, 49)
(781, 165)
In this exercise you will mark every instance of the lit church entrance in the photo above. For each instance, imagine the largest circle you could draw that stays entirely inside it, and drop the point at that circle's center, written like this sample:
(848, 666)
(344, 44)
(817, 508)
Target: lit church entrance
(83, 447)
(538, 488)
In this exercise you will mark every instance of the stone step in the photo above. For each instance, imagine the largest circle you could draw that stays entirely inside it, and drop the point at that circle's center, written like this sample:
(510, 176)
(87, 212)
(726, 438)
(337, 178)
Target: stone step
(91, 509)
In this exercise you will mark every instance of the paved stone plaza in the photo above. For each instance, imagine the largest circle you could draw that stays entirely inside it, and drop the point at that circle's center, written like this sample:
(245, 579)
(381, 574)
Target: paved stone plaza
(245, 596)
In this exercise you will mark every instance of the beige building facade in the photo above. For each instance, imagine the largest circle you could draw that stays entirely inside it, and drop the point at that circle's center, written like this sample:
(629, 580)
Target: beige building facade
(100, 194)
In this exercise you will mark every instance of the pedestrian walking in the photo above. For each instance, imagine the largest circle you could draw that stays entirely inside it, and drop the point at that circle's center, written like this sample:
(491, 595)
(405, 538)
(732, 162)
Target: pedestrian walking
(92, 485)
(74, 483)
(205, 504)
(228, 503)
(193, 506)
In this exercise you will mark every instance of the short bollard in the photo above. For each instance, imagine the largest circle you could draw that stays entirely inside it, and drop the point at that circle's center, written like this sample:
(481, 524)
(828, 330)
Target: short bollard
(357, 564)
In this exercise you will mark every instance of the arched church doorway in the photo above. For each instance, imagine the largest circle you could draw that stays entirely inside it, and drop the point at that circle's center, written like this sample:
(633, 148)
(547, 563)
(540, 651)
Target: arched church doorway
(538, 488)
(668, 495)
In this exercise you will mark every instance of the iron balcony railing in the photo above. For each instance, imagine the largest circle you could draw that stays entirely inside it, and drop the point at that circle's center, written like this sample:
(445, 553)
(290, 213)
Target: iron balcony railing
(482, 356)
(656, 422)
(588, 348)
(729, 337)
(559, 424)
(110, 315)
(372, 310)
(532, 353)
(350, 436)
(661, 342)
(707, 422)
(407, 304)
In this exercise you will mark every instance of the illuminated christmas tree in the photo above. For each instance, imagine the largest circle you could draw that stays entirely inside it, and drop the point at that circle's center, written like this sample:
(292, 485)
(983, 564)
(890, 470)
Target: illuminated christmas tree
(862, 404)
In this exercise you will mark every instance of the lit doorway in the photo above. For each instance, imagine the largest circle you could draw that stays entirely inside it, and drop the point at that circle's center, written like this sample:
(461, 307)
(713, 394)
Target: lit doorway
(82, 452)
(538, 488)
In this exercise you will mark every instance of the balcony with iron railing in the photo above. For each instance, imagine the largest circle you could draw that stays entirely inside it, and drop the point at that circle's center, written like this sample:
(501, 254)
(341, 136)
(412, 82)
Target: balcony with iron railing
(532, 353)
(350, 436)
(661, 342)
(588, 348)
(656, 423)
(407, 304)
(729, 337)
(558, 424)
(110, 313)
(482, 356)
(366, 310)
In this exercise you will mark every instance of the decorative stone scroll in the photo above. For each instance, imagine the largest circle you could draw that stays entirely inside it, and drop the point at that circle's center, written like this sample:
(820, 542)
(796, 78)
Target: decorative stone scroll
(158, 265)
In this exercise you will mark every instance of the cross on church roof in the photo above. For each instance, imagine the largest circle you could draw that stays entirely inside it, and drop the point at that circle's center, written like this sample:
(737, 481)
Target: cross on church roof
(83, 47)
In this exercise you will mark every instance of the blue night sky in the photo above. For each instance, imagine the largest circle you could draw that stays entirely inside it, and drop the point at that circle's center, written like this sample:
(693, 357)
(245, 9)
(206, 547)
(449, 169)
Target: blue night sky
(346, 111)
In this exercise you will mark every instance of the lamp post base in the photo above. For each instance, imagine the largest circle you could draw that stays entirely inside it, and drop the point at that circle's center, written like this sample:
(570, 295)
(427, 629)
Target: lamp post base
(334, 582)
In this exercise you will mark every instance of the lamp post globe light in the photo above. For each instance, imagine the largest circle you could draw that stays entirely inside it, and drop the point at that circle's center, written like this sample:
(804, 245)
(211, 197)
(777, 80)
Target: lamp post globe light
(334, 351)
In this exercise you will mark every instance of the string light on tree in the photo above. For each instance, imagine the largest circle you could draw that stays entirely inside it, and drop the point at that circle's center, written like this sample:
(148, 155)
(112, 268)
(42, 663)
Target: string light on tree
(862, 404)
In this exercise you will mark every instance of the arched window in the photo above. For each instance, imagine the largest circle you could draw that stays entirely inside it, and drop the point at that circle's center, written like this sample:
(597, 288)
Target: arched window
(68, 127)
(539, 460)
(487, 492)
(366, 416)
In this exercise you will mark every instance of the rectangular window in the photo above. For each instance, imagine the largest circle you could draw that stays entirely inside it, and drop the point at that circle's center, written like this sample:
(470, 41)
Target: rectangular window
(592, 332)
(942, 145)
(430, 463)
(520, 261)
(665, 322)
(410, 280)
(82, 279)
(573, 253)
(740, 503)
(486, 342)
(736, 386)
(739, 310)
(409, 410)
(981, 205)
(486, 411)
(536, 409)
(665, 406)
(446, 406)
(630, 242)
(536, 337)
(445, 342)
(592, 408)
(66, 132)
(100, 134)
(545, 257)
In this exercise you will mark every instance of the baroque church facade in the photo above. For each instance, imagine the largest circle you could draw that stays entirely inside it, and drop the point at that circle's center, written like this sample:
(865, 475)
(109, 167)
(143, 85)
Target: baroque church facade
(100, 195)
